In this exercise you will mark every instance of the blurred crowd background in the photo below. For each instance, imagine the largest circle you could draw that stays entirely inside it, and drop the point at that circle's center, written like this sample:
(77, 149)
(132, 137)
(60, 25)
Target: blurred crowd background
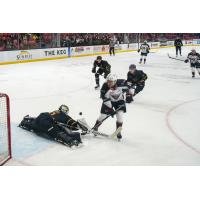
(23, 41)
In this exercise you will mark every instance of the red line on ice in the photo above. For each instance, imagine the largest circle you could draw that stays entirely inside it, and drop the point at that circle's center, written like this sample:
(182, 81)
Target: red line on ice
(173, 131)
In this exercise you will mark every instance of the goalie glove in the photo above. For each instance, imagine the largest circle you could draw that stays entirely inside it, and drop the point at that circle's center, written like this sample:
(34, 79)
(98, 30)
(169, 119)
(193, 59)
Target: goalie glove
(186, 61)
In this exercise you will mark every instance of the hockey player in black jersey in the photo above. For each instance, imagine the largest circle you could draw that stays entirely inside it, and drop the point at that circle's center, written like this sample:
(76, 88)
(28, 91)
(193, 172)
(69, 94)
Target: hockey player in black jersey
(56, 125)
(103, 68)
(178, 45)
(135, 81)
(194, 58)
(113, 99)
(144, 49)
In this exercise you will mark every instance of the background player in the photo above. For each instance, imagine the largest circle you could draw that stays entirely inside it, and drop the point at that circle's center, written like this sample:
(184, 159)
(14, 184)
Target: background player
(113, 98)
(144, 49)
(193, 57)
(178, 45)
(103, 68)
(135, 82)
(112, 47)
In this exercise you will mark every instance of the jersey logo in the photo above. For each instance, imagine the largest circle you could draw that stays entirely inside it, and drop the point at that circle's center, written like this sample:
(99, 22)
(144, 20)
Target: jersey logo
(115, 94)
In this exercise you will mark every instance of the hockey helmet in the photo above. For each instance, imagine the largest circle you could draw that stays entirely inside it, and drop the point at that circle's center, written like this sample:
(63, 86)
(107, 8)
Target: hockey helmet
(65, 109)
(193, 50)
(132, 66)
(99, 58)
(145, 41)
(111, 79)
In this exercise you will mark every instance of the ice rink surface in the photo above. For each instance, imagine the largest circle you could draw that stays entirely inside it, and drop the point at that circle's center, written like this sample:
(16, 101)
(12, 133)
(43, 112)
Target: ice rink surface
(161, 127)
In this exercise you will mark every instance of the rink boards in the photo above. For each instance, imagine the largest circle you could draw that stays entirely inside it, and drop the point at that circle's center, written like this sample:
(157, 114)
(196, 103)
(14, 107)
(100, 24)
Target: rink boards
(24, 56)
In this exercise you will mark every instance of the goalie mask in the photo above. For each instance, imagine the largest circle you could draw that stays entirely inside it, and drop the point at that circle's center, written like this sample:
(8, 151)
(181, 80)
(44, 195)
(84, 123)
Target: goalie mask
(64, 109)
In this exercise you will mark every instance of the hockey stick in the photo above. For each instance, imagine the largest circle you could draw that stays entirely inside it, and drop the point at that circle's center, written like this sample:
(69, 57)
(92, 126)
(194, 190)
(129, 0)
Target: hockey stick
(90, 130)
(107, 117)
(175, 58)
(112, 136)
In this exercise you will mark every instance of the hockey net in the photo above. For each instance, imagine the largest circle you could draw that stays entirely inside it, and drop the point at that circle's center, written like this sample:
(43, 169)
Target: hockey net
(5, 131)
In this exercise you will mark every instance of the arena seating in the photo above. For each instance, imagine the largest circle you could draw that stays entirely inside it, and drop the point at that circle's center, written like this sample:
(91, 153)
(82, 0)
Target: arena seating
(13, 41)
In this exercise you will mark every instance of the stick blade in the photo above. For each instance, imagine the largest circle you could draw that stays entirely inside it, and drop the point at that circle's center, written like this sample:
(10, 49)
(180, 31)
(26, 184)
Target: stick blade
(119, 129)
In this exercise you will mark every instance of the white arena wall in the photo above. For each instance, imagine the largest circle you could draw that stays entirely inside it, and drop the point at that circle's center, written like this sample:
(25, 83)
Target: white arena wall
(22, 56)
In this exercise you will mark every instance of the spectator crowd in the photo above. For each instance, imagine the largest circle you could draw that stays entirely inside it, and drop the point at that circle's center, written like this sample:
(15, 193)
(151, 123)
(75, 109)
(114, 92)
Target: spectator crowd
(22, 41)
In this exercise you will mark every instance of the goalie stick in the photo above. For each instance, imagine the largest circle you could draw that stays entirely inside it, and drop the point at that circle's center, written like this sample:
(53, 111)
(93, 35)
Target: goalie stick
(87, 130)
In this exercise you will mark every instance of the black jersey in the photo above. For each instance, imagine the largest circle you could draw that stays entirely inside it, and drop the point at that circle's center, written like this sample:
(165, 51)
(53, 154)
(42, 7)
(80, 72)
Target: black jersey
(138, 77)
(103, 65)
(178, 43)
(61, 117)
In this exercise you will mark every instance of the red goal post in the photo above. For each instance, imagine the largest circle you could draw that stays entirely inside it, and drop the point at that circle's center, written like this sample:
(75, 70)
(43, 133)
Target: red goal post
(5, 129)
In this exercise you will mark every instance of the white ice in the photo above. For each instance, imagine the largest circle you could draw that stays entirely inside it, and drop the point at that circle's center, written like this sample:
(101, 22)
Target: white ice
(161, 127)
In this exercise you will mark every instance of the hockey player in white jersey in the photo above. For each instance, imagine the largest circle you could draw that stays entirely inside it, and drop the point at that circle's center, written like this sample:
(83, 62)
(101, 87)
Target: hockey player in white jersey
(194, 58)
(113, 99)
(144, 50)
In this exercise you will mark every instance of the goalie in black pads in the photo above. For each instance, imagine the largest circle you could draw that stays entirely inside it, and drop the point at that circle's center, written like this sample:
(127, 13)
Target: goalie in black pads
(193, 57)
(57, 125)
(103, 68)
(135, 82)
(113, 99)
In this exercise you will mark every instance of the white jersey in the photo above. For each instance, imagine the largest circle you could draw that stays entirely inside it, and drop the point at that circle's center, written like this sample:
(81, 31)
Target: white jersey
(194, 58)
(144, 48)
(115, 94)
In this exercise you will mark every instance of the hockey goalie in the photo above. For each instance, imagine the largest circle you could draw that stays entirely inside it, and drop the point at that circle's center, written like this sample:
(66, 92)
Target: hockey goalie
(60, 127)
(56, 125)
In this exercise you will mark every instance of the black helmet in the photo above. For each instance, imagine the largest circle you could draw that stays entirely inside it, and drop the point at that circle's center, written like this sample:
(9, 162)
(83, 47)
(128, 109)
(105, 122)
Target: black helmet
(63, 108)
(99, 58)
(132, 66)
